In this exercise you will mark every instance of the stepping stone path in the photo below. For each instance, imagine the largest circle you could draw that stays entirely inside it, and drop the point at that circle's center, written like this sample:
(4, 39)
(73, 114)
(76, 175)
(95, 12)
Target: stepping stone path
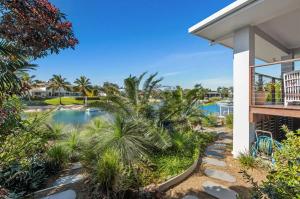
(218, 191)
(190, 197)
(215, 162)
(68, 194)
(214, 155)
(68, 179)
(220, 175)
(225, 141)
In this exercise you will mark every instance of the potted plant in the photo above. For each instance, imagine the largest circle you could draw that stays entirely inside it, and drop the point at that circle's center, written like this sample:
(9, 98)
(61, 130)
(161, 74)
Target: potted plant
(260, 94)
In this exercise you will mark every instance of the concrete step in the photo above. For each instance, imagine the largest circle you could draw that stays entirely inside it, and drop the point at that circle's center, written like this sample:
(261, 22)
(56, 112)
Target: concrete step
(220, 175)
(68, 180)
(218, 191)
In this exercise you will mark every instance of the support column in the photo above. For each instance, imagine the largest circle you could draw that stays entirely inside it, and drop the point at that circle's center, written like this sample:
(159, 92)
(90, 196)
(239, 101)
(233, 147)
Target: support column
(244, 57)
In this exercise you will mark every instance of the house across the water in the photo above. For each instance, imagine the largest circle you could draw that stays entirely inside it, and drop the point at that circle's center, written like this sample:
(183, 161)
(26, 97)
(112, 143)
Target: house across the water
(264, 36)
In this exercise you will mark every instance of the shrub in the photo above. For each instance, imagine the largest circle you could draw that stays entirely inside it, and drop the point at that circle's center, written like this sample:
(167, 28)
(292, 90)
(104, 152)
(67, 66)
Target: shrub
(283, 181)
(229, 120)
(210, 120)
(24, 178)
(57, 156)
(247, 160)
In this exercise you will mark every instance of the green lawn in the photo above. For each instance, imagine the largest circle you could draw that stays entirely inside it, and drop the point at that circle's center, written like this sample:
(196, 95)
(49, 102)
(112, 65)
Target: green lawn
(64, 100)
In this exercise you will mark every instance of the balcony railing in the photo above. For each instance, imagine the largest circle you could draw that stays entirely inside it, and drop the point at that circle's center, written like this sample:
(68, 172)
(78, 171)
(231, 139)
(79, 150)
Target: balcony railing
(276, 84)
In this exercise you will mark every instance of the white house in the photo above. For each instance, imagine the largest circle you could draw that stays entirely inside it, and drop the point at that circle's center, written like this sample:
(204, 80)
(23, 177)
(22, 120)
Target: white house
(43, 91)
(264, 36)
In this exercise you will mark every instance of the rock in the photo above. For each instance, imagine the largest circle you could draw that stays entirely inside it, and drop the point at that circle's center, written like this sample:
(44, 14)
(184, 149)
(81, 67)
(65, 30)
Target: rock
(218, 191)
(68, 179)
(68, 194)
(215, 162)
(220, 175)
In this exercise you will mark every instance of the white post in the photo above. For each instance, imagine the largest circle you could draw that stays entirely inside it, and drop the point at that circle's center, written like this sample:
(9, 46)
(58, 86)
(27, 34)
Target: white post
(244, 57)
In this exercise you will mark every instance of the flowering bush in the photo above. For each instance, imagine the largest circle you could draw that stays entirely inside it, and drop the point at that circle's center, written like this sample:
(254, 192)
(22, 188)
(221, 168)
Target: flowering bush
(36, 27)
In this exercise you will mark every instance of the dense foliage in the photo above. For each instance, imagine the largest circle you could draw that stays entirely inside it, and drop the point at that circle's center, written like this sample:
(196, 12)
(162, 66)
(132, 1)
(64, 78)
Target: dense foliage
(283, 181)
(35, 27)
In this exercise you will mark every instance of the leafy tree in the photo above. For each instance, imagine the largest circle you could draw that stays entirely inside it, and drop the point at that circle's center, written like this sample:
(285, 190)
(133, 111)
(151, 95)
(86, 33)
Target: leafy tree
(83, 85)
(35, 27)
(57, 83)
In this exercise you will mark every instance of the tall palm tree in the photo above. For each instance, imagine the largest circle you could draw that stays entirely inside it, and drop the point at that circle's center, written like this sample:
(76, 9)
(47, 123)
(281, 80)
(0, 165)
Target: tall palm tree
(83, 85)
(57, 82)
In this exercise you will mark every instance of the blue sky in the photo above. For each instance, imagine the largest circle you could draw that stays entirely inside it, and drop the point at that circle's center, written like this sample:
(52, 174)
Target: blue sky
(118, 38)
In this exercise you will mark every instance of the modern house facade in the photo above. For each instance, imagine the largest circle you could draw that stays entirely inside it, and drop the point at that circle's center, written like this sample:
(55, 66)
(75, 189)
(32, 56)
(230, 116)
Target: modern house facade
(265, 38)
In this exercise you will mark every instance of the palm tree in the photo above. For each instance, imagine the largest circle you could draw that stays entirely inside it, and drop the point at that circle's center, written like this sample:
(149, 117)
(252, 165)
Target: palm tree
(83, 85)
(11, 63)
(135, 100)
(57, 82)
(27, 83)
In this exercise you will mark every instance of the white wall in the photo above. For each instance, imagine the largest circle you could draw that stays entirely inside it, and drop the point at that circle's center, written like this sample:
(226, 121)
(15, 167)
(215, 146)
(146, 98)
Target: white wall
(243, 58)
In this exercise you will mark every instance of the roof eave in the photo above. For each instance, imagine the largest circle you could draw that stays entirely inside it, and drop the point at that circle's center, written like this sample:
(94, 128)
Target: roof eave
(221, 14)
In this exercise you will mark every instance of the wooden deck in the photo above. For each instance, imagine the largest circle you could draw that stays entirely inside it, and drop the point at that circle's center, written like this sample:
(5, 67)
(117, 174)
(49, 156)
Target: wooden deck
(277, 110)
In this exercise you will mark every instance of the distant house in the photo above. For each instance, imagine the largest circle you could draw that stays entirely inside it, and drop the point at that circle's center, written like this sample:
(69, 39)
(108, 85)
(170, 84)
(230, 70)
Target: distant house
(265, 41)
(42, 90)
(211, 94)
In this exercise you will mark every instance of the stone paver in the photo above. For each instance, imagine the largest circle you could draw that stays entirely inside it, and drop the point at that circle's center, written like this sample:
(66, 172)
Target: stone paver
(68, 179)
(190, 197)
(214, 154)
(218, 191)
(217, 146)
(213, 161)
(220, 175)
(76, 165)
(225, 141)
(68, 194)
(216, 150)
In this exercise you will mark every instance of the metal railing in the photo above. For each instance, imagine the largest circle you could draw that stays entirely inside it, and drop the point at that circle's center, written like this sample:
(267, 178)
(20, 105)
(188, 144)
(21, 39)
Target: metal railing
(275, 84)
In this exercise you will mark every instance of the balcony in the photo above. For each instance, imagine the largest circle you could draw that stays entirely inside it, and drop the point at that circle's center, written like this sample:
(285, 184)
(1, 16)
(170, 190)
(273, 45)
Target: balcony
(275, 88)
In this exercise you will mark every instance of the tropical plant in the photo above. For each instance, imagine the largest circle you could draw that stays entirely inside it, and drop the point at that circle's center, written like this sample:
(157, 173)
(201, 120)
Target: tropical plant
(27, 82)
(135, 100)
(83, 85)
(12, 63)
(179, 110)
(57, 83)
(128, 140)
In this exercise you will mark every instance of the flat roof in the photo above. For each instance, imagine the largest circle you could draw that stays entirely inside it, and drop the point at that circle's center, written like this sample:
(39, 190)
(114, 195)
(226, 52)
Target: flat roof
(233, 7)
(276, 20)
